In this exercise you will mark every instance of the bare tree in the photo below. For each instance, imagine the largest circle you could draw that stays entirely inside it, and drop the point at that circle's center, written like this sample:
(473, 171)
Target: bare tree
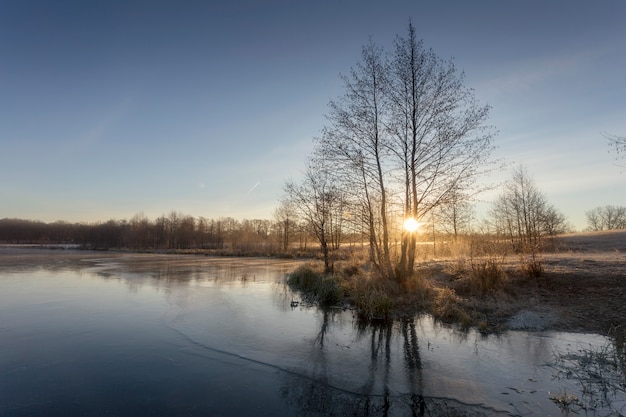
(606, 218)
(316, 198)
(231, 232)
(440, 137)
(216, 234)
(554, 222)
(140, 232)
(186, 232)
(455, 215)
(594, 221)
(285, 217)
(523, 215)
(355, 143)
(405, 135)
(614, 217)
(202, 231)
(173, 223)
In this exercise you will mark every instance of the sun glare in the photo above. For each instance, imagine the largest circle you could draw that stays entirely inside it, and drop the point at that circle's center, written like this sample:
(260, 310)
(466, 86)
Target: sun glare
(411, 225)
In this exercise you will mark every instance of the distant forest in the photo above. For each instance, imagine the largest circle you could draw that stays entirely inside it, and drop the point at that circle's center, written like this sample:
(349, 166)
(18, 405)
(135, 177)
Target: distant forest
(286, 234)
(172, 232)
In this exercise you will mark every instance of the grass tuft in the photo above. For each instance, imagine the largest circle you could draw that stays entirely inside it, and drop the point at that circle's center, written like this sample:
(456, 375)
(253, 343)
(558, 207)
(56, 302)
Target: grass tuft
(315, 286)
(531, 267)
(488, 275)
(448, 308)
(373, 298)
(480, 277)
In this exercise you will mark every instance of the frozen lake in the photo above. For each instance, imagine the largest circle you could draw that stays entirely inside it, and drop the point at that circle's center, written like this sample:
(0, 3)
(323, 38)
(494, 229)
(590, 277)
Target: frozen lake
(100, 334)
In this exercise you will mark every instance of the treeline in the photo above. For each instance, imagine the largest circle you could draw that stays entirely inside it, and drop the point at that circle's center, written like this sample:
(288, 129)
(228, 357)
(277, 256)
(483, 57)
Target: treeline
(606, 218)
(172, 232)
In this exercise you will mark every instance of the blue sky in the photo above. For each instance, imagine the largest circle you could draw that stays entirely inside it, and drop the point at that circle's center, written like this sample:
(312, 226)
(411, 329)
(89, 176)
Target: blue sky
(110, 108)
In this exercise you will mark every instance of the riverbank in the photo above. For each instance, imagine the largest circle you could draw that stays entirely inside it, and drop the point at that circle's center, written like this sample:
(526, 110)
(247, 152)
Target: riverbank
(581, 288)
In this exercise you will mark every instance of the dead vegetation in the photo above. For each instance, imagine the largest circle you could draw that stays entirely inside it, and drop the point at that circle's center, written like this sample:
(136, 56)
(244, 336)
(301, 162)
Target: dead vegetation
(577, 284)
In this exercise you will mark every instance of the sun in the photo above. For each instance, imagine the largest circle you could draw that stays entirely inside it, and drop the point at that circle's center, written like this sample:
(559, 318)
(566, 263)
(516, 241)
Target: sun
(411, 225)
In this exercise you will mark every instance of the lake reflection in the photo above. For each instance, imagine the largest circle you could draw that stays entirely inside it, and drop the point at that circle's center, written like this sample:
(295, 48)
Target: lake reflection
(98, 334)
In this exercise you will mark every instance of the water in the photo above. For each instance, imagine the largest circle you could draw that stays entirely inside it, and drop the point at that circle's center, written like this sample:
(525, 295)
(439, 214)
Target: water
(126, 335)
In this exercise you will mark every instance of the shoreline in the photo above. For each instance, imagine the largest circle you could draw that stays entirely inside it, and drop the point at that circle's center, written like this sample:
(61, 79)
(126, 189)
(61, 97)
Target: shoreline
(582, 287)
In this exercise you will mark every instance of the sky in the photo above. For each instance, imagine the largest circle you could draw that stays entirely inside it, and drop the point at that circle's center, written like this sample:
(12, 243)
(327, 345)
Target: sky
(113, 108)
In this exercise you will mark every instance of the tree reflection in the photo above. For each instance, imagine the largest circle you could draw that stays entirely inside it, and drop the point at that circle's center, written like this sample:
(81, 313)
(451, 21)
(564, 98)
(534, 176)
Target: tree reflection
(321, 392)
(319, 359)
(413, 367)
(380, 360)
(380, 355)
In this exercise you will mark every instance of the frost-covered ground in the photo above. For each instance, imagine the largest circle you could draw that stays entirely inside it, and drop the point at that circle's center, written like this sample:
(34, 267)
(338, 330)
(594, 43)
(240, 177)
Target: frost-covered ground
(585, 281)
(582, 288)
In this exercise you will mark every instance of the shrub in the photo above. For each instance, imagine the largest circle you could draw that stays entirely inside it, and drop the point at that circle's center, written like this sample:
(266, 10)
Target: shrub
(329, 291)
(304, 278)
(447, 308)
(351, 270)
(418, 289)
(480, 277)
(531, 267)
(457, 268)
(373, 298)
(315, 286)
(488, 275)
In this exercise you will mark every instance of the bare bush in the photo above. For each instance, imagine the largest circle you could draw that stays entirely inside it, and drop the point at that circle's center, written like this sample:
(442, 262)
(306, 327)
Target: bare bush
(479, 277)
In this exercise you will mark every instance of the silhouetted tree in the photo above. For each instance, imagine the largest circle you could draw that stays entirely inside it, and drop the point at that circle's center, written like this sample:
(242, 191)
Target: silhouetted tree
(107, 235)
(230, 230)
(455, 215)
(316, 198)
(441, 141)
(606, 218)
(523, 215)
(285, 218)
(141, 232)
(356, 144)
(404, 136)
(18, 231)
(214, 235)
(202, 232)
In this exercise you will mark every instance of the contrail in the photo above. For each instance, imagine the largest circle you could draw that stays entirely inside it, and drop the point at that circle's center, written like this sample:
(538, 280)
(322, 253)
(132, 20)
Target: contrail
(255, 185)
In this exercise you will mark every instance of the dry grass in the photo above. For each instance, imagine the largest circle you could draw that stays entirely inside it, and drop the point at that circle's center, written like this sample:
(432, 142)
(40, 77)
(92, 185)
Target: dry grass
(448, 307)
(573, 288)
(579, 286)
(315, 286)
(373, 299)
(478, 277)
(582, 283)
(531, 267)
